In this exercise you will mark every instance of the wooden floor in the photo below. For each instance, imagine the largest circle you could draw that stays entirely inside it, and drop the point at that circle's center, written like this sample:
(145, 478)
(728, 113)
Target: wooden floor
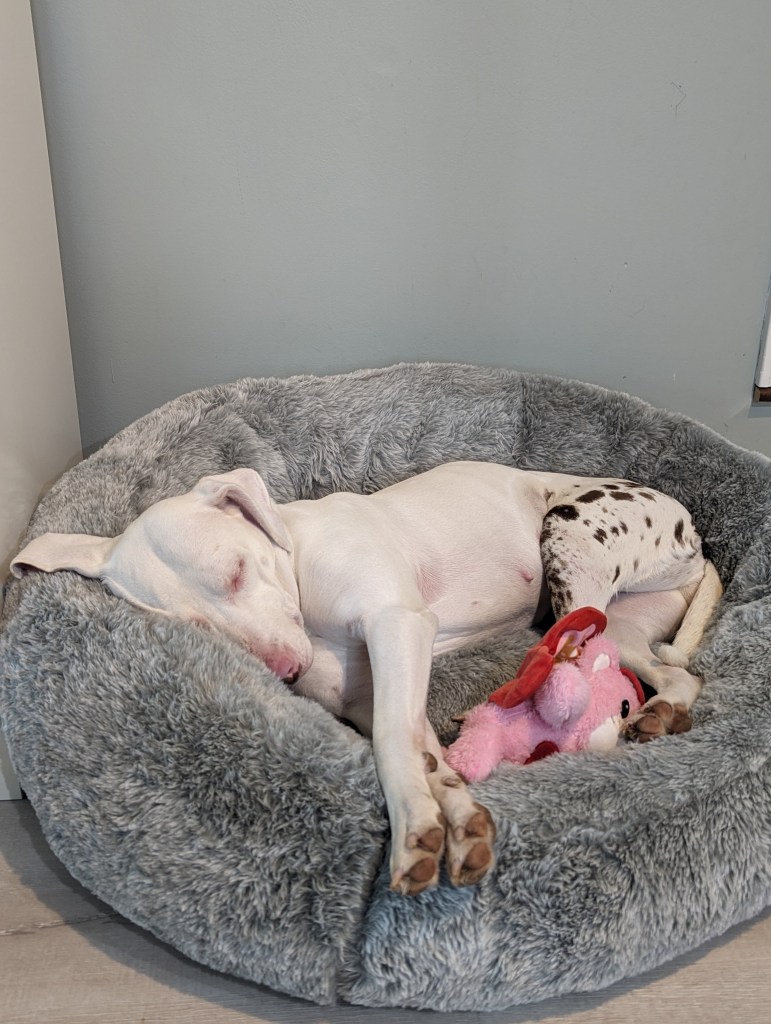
(66, 957)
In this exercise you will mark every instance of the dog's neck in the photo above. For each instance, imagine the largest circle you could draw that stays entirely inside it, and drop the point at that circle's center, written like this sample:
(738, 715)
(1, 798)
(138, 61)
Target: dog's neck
(286, 570)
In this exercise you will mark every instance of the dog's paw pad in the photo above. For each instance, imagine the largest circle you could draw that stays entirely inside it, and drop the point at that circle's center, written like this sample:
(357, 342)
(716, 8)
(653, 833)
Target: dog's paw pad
(420, 875)
(481, 823)
(658, 719)
(681, 719)
(433, 840)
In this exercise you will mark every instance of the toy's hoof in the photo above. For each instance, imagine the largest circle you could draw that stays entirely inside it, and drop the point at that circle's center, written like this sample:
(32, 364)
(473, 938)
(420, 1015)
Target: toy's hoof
(658, 718)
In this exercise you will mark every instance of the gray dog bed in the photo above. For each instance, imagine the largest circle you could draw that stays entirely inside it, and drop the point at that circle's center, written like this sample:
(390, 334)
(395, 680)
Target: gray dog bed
(178, 780)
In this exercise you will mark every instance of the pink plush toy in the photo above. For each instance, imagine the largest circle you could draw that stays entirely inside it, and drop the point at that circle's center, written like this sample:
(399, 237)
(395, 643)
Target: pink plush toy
(569, 694)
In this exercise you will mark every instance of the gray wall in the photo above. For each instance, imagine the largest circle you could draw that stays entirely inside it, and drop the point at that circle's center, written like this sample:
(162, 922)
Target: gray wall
(283, 186)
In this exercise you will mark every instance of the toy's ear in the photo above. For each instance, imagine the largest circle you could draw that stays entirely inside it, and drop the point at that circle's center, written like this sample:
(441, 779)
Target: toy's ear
(564, 697)
(575, 628)
(565, 637)
(245, 490)
(76, 551)
(601, 662)
(532, 674)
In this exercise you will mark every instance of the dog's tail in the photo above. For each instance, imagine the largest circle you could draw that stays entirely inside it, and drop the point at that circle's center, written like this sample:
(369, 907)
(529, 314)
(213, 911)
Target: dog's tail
(697, 615)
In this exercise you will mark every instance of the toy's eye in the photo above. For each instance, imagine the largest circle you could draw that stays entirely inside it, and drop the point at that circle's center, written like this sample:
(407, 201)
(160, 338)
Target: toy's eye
(624, 708)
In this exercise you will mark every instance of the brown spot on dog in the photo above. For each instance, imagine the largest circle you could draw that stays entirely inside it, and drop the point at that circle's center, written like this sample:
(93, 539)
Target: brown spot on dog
(650, 497)
(658, 540)
(679, 526)
(648, 522)
(624, 527)
(636, 564)
(614, 531)
(621, 496)
(600, 535)
(618, 573)
(590, 496)
(567, 512)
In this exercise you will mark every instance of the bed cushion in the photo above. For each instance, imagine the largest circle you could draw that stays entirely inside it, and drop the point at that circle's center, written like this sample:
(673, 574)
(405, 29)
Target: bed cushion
(183, 784)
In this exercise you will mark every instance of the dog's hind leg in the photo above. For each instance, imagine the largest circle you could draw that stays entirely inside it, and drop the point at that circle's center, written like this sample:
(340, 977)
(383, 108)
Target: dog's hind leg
(645, 587)
(636, 624)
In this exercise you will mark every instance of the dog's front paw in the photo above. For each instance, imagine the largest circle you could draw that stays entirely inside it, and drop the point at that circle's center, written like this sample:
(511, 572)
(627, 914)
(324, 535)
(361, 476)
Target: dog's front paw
(657, 718)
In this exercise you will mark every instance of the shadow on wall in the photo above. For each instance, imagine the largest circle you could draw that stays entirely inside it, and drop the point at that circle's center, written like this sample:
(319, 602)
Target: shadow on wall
(20, 491)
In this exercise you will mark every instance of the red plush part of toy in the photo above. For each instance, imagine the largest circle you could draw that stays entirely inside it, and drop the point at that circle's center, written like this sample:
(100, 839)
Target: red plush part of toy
(559, 644)
(635, 682)
(535, 667)
(544, 749)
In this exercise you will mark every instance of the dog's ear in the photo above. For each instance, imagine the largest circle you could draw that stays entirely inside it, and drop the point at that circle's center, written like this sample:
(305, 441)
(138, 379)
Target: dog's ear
(246, 489)
(79, 552)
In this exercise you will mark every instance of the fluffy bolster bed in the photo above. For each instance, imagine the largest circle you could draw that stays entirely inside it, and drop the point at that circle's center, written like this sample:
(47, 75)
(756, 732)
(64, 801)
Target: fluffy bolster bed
(181, 782)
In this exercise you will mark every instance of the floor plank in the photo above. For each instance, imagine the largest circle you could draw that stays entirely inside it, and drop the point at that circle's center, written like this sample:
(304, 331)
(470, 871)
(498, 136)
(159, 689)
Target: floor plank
(67, 958)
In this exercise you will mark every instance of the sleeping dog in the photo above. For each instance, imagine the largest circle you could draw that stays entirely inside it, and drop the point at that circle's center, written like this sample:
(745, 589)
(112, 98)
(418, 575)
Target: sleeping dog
(348, 598)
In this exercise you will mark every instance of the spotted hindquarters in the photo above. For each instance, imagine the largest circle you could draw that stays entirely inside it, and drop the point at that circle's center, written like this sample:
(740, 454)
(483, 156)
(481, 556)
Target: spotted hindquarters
(603, 537)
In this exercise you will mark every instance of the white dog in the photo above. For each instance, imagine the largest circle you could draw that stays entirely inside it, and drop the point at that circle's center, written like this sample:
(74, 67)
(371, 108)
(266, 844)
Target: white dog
(349, 597)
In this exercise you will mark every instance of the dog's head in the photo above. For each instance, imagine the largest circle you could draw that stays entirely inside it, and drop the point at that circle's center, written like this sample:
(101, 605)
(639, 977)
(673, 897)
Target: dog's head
(219, 556)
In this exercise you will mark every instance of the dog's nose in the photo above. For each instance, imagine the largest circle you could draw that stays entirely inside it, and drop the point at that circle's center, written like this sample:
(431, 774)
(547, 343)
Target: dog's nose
(284, 665)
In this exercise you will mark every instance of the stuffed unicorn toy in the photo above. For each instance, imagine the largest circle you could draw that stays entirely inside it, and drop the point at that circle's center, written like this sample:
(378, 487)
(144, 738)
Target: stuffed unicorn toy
(570, 694)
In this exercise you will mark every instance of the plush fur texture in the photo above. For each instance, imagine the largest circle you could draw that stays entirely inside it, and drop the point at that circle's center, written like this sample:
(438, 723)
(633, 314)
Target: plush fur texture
(181, 782)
